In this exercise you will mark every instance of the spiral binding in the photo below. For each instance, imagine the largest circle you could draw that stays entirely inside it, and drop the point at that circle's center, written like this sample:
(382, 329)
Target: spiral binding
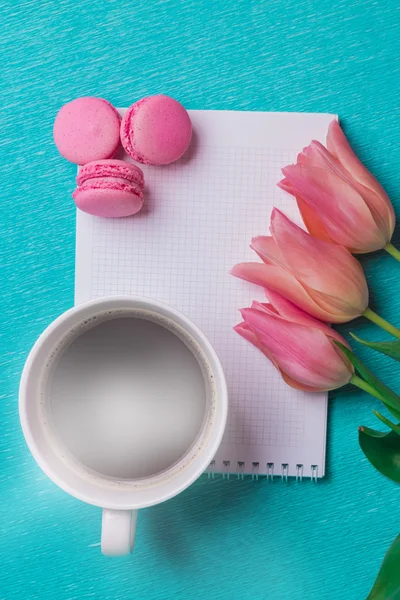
(254, 471)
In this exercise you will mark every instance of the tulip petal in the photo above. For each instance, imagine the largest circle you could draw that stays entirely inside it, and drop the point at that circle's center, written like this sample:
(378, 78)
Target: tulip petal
(318, 156)
(312, 221)
(382, 213)
(267, 249)
(380, 208)
(320, 265)
(244, 330)
(285, 185)
(266, 307)
(302, 157)
(291, 312)
(344, 212)
(304, 353)
(378, 204)
(310, 218)
(248, 334)
(341, 309)
(299, 386)
(338, 145)
(315, 225)
(277, 279)
(345, 215)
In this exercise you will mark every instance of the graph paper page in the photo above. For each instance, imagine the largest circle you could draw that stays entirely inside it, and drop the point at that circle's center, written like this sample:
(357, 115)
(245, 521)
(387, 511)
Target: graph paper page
(199, 217)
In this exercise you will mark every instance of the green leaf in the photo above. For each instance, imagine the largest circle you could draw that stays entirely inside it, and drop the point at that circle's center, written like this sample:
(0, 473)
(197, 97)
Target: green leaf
(393, 426)
(393, 411)
(391, 349)
(382, 451)
(390, 399)
(387, 584)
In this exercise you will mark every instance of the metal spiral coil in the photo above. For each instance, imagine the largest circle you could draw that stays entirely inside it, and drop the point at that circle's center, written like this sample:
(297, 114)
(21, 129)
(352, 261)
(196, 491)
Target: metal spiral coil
(253, 470)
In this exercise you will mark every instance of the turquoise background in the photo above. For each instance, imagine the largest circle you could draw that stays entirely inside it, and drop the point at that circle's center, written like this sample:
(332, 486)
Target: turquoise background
(218, 540)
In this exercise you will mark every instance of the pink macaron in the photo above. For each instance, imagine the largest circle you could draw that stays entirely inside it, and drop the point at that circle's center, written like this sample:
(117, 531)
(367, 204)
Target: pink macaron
(109, 188)
(156, 130)
(87, 129)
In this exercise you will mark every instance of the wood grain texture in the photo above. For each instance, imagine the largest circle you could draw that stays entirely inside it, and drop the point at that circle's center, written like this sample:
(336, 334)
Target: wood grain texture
(219, 539)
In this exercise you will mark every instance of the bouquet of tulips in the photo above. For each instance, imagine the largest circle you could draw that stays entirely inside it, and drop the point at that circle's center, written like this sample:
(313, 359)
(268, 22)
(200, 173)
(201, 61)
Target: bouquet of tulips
(312, 280)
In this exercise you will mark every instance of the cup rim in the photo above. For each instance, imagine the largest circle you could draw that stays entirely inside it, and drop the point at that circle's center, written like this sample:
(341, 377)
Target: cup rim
(165, 489)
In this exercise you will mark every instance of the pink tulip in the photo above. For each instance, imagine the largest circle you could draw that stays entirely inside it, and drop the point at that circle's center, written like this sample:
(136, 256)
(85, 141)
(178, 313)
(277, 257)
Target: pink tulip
(299, 346)
(322, 278)
(339, 199)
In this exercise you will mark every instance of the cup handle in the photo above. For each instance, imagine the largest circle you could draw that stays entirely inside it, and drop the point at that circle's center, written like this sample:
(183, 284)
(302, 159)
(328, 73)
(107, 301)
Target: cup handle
(118, 531)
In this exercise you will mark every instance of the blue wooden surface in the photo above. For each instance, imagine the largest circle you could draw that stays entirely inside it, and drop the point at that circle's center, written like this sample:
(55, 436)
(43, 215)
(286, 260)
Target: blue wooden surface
(219, 539)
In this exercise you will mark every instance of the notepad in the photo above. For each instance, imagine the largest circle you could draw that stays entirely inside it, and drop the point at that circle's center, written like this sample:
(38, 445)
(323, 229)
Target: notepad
(199, 217)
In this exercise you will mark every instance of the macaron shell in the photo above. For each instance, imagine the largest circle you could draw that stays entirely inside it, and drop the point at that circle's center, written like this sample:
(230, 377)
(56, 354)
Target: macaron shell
(156, 130)
(87, 129)
(105, 202)
(127, 131)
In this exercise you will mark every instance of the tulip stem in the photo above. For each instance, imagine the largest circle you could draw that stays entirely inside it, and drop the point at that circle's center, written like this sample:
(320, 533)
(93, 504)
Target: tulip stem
(372, 316)
(363, 385)
(390, 249)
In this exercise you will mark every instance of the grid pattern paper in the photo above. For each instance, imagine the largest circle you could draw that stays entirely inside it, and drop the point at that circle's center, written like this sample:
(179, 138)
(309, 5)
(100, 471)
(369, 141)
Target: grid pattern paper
(198, 220)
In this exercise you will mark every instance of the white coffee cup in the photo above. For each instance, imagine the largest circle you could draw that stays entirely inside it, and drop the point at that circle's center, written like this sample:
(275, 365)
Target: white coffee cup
(123, 404)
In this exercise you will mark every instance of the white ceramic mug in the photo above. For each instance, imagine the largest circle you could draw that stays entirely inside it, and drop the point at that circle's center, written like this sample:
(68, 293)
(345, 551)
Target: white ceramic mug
(123, 404)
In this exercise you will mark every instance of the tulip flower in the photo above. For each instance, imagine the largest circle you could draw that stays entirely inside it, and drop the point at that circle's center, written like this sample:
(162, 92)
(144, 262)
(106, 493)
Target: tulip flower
(309, 355)
(299, 346)
(321, 278)
(338, 198)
